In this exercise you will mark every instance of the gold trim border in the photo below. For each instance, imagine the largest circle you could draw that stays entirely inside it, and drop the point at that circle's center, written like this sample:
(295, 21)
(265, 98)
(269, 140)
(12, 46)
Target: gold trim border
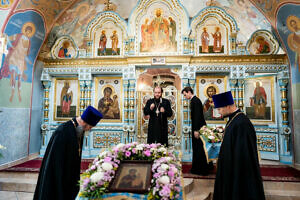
(96, 83)
(54, 103)
(224, 78)
(147, 60)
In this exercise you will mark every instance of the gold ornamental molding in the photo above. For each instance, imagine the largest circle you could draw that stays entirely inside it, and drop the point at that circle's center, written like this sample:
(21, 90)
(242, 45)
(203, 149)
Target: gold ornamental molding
(169, 60)
(242, 59)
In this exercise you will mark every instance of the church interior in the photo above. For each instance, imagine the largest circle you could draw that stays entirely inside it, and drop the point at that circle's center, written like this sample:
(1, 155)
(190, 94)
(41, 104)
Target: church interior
(59, 57)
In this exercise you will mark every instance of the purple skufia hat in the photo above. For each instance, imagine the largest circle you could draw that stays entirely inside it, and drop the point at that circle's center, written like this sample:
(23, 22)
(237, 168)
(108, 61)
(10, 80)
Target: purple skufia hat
(91, 116)
(223, 99)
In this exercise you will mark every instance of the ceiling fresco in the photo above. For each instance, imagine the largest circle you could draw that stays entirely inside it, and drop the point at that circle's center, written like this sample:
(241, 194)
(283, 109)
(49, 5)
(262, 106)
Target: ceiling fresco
(71, 17)
(74, 20)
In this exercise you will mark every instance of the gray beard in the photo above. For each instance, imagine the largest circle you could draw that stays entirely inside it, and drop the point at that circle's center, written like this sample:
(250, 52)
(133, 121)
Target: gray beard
(79, 131)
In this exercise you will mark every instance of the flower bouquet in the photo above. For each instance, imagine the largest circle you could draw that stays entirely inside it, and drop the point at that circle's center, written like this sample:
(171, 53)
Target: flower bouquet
(212, 134)
(166, 170)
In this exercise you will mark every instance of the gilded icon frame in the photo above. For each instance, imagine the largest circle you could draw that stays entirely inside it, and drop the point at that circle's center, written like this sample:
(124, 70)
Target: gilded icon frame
(59, 84)
(113, 111)
(203, 82)
(141, 168)
(254, 112)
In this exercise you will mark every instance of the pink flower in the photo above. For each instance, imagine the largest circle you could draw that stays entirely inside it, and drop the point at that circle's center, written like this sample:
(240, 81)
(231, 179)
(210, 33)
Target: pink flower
(170, 173)
(134, 150)
(127, 153)
(107, 159)
(165, 192)
(147, 153)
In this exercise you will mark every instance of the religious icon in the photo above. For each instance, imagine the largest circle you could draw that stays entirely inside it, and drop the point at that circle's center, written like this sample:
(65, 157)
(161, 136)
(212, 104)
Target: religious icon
(108, 105)
(102, 43)
(16, 61)
(159, 34)
(209, 110)
(132, 176)
(109, 96)
(263, 46)
(259, 99)
(64, 50)
(66, 98)
(217, 47)
(114, 43)
(207, 86)
(262, 42)
(210, 38)
(293, 24)
(204, 41)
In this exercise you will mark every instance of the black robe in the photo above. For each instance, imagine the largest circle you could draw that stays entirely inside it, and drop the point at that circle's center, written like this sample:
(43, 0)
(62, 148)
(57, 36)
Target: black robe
(199, 162)
(158, 125)
(238, 173)
(60, 169)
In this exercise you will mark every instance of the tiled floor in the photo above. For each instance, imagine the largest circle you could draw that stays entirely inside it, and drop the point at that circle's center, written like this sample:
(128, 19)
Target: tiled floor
(5, 195)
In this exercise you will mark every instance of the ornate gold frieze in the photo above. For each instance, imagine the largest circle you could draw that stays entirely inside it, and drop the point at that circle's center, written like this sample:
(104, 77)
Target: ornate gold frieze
(146, 60)
(105, 140)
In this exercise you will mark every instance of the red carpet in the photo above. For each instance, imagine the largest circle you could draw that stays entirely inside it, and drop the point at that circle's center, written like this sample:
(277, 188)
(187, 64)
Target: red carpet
(34, 166)
(278, 173)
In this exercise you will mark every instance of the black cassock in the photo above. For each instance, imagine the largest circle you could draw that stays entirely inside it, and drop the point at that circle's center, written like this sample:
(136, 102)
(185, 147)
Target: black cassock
(199, 162)
(238, 173)
(158, 124)
(60, 170)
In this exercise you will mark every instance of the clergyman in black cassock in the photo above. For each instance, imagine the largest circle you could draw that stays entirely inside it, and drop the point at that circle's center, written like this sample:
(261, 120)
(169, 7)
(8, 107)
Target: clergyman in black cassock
(158, 120)
(200, 164)
(238, 172)
(60, 170)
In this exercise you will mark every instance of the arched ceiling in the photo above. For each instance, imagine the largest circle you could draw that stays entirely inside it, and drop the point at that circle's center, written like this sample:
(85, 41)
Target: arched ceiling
(60, 15)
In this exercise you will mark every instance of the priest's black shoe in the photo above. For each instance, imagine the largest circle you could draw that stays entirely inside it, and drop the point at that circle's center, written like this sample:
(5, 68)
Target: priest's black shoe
(199, 173)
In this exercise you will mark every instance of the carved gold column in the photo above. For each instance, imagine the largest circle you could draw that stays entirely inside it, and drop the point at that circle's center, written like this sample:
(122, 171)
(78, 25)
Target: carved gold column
(192, 45)
(45, 124)
(186, 45)
(88, 96)
(131, 100)
(241, 83)
(286, 131)
(233, 43)
(233, 88)
(82, 96)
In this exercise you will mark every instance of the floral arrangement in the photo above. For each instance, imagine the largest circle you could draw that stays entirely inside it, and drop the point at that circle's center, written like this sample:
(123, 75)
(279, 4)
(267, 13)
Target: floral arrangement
(212, 134)
(1, 147)
(166, 170)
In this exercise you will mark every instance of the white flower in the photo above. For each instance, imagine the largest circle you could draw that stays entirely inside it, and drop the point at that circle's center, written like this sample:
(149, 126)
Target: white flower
(99, 169)
(97, 176)
(168, 159)
(120, 145)
(140, 147)
(103, 154)
(2, 147)
(164, 180)
(162, 149)
(164, 167)
(211, 137)
(106, 166)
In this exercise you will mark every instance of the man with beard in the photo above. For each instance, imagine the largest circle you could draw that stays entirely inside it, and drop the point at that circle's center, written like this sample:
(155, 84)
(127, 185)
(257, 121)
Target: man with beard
(238, 173)
(200, 166)
(60, 170)
(158, 109)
